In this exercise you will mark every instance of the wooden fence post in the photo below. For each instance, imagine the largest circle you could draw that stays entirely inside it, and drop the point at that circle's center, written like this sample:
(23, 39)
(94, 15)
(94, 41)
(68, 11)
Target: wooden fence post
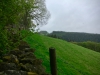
(53, 65)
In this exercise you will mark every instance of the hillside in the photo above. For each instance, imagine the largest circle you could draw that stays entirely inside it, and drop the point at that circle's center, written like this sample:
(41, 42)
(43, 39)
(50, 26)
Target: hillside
(75, 36)
(71, 59)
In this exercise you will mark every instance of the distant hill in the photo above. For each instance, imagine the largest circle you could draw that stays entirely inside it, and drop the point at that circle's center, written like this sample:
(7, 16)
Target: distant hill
(71, 59)
(75, 36)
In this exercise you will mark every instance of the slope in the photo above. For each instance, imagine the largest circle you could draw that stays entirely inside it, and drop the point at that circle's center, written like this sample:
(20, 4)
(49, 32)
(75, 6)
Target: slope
(71, 59)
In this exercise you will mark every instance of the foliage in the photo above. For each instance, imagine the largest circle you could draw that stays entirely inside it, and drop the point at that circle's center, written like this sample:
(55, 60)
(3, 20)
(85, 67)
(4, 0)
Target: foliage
(17, 15)
(1, 60)
(90, 45)
(3, 44)
(40, 14)
(71, 59)
(76, 36)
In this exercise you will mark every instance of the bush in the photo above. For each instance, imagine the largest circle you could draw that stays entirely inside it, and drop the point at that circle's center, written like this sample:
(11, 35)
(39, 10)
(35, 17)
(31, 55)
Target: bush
(90, 45)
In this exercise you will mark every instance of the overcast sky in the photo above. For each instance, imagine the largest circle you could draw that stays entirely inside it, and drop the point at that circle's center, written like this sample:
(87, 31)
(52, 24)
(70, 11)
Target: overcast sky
(73, 16)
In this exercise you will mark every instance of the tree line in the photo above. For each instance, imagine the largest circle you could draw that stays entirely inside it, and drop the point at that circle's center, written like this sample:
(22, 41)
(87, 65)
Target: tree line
(75, 36)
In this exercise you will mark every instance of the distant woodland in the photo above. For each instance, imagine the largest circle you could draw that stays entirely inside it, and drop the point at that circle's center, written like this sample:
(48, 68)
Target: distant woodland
(75, 36)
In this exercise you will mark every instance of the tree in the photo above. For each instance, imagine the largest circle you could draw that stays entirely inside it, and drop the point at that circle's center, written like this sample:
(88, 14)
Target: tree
(40, 14)
(16, 15)
(35, 14)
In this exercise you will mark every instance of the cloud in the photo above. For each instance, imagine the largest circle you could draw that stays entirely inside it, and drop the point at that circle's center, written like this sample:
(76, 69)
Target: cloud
(73, 16)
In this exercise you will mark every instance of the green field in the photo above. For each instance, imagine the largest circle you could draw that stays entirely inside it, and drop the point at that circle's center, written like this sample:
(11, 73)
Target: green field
(71, 59)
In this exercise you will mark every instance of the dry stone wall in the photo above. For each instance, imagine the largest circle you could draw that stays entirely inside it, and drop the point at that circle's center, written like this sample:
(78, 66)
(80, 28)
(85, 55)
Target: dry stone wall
(21, 61)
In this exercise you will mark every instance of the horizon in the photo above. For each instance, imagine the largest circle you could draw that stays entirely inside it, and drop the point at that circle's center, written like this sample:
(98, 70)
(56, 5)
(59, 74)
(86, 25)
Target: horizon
(69, 31)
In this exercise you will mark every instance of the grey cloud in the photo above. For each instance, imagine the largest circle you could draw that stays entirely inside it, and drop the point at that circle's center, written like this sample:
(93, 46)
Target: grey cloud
(73, 15)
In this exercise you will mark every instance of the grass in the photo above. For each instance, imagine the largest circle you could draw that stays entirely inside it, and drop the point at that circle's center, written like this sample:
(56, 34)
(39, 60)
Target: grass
(71, 59)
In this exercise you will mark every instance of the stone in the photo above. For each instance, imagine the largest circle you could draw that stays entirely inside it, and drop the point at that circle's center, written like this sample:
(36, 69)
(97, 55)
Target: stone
(16, 52)
(31, 61)
(12, 72)
(21, 61)
(7, 66)
(7, 58)
(28, 67)
(31, 73)
(15, 72)
(11, 58)
(2, 73)
(23, 45)
(39, 69)
(23, 73)
(29, 50)
(27, 55)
